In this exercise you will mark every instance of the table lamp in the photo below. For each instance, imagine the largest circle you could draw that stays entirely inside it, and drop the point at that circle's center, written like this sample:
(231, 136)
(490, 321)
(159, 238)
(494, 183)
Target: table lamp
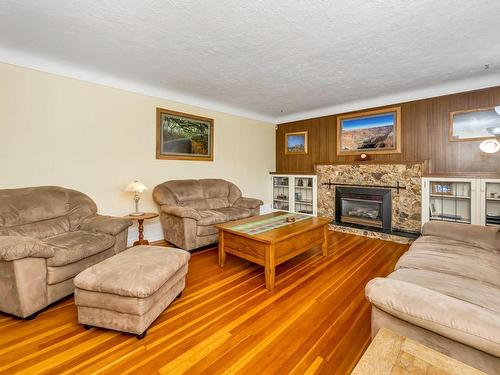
(136, 187)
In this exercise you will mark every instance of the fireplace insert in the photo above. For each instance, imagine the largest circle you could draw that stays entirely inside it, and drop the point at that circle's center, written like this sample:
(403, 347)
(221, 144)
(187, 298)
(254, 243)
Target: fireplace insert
(367, 207)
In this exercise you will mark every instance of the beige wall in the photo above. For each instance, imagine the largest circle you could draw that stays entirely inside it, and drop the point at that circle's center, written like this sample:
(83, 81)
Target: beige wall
(96, 139)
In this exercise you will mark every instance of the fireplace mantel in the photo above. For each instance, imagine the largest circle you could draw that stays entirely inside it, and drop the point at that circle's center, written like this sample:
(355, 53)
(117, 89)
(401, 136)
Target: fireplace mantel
(368, 162)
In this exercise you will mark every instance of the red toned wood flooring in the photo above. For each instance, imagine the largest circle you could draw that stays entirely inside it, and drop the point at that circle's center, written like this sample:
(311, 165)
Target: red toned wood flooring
(315, 321)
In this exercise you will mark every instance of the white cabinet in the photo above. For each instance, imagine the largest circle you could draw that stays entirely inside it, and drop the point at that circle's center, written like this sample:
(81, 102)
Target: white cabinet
(461, 200)
(489, 197)
(294, 193)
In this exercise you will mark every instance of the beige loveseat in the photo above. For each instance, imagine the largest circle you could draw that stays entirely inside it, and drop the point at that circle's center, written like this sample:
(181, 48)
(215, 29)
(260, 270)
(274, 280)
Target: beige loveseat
(47, 236)
(189, 209)
(445, 293)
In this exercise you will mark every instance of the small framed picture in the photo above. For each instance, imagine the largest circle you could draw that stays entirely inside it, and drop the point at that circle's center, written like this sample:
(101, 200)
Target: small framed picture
(296, 143)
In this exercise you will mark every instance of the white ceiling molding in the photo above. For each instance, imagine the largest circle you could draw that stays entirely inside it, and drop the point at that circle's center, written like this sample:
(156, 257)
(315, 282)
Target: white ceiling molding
(31, 61)
(471, 84)
(64, 69)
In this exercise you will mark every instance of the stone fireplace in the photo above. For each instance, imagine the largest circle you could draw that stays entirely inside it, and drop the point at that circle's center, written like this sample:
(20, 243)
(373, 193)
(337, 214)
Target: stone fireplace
(401, 184)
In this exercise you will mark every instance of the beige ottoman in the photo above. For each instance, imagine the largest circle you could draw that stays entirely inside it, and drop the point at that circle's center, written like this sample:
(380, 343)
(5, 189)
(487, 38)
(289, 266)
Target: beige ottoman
(128, 291)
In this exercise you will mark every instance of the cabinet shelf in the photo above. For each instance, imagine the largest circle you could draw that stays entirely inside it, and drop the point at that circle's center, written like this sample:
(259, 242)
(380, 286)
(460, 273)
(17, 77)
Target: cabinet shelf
(300, 199)
(449, 196)
(437, 218)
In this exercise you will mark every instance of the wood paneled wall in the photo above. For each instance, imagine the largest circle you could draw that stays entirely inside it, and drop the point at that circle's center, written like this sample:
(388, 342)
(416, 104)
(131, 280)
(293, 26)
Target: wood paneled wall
(424, 126)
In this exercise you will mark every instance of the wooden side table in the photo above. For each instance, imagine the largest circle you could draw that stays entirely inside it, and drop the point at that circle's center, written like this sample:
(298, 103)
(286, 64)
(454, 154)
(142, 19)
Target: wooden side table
(140, 221)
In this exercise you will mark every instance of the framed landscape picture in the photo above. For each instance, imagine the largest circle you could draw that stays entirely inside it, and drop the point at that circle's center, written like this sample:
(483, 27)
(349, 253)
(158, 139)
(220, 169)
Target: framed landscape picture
(296, 143)
(474, 124)
(182, 136)
(371, 132)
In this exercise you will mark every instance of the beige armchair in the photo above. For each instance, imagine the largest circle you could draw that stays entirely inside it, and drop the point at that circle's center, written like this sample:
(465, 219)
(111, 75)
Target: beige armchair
(47, 236)
(189, 209)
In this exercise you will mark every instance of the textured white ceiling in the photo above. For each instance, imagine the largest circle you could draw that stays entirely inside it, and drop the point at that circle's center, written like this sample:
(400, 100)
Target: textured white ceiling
(276, 59)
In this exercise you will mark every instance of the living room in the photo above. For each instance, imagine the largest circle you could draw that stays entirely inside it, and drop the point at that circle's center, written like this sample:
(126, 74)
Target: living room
(193, 187)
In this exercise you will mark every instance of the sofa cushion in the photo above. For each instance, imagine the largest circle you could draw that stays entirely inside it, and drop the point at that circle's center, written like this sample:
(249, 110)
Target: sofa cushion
(454, 258)
(44, 211)
(476, 292)
(72, 246)
(211, 217)
(206, 203)
(56, 275)
(447, 316)
(234, 213)
(487, 237)
(18, 247)
(137, 272)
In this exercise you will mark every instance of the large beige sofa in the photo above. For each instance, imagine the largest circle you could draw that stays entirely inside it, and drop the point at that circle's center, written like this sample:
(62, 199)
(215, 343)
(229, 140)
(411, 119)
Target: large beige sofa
(189, 209)
(47, 236)
(445, 293)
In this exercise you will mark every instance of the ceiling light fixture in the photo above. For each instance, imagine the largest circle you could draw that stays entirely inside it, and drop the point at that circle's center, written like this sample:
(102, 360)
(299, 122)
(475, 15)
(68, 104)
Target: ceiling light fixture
(490, 146)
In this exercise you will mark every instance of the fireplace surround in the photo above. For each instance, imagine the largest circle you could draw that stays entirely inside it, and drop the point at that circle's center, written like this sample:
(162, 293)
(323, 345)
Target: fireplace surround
(405, 203)
(363, 206)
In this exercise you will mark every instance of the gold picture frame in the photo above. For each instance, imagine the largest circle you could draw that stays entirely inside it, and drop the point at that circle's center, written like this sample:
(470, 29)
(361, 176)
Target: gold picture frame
(296, 143)
(182, 136)
(472, 116)
(366, 127)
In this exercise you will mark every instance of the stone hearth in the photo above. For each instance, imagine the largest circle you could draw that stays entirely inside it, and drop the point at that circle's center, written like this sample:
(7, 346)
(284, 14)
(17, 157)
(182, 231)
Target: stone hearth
(406, 205)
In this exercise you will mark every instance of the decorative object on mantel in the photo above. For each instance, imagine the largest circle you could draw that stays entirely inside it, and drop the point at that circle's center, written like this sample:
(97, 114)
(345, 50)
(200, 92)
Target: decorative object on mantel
(364, 157)
(474, 124)
(397, 187)
(296, 143)
(374, 132)
(137, 188)
(181, 136)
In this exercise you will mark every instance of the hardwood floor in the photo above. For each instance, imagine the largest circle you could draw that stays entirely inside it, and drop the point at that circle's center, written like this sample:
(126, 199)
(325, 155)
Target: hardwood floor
(315, 321)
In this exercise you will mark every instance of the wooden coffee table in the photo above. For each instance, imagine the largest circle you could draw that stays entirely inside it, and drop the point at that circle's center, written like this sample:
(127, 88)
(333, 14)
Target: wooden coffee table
(275, 246)
(390, 353)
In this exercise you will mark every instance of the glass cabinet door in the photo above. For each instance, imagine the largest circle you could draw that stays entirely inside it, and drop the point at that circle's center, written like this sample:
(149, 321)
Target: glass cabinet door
(450, 201)
(281, 193)
(492, 203)
(303, 187)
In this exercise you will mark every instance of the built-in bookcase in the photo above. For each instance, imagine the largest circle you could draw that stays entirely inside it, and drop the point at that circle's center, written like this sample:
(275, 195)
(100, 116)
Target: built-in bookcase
(294, 193)
(469, 201)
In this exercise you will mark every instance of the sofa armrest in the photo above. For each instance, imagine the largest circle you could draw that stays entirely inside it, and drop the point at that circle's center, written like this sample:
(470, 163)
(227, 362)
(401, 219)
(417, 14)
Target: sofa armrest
(105, 224)
(477, 235)
(182, 212)
(450, 317)
(18, 247)
(249, 203)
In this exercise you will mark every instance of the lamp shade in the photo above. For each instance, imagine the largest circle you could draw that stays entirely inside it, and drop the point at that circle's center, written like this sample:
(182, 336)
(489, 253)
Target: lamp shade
(490, 146)
(136, 187)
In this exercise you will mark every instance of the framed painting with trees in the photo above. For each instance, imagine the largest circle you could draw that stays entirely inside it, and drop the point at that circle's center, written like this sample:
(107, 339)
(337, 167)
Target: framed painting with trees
(181, 136)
